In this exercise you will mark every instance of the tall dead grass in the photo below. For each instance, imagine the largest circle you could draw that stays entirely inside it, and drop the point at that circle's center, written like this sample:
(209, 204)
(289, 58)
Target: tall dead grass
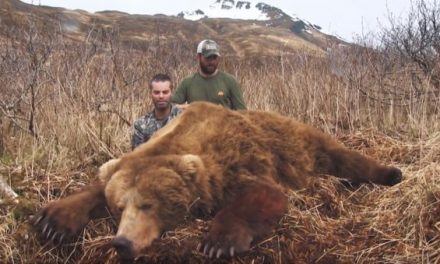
(66, 108)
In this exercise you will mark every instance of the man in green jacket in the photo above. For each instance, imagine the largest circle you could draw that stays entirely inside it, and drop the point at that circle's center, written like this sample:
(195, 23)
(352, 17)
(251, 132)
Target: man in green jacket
(209, 83)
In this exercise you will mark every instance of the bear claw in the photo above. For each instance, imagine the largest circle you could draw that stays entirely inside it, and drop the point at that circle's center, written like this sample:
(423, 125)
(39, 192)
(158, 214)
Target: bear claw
(54, 236)
(214, 251)
(62, 238)
(49, 232)
(38, 220)
(211, 252)
(205, 249)
(45, 228)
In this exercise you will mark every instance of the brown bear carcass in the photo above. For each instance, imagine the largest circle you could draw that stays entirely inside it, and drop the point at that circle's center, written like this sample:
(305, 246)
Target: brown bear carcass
(210, 159)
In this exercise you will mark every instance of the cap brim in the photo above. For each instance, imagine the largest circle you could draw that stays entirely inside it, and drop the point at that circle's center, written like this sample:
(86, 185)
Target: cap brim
(211, 53)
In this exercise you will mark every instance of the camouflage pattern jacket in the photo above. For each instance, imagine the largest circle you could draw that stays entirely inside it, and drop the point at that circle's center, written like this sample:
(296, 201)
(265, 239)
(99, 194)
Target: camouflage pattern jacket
(147, 125)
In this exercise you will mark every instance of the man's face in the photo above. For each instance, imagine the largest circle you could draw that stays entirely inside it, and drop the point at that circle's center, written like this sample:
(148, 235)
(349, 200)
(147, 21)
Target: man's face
(208, 65)
(161, 94)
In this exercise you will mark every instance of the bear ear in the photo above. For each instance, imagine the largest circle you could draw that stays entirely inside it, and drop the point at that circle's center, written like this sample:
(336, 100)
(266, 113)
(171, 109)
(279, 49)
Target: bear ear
(190, 165)
(107, 170)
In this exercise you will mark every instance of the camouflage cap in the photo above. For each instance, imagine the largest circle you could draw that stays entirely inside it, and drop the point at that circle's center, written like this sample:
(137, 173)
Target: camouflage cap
(208, 48)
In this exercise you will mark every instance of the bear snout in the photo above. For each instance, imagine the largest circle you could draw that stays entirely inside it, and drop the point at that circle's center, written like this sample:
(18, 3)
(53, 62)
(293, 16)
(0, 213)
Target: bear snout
(124, 248)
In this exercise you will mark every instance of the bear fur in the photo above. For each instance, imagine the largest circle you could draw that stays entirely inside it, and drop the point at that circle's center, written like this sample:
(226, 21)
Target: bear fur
(233, 164)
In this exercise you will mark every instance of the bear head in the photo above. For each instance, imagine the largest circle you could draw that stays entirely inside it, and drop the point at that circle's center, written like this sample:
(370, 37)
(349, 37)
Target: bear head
(151, 195)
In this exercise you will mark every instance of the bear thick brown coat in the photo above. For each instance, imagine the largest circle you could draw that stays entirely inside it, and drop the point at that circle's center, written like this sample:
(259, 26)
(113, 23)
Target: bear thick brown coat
(210, 159)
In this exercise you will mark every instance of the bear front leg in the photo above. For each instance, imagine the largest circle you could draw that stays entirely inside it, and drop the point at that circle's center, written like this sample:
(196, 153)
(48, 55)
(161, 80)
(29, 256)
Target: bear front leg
(60, 220)
(251, 216)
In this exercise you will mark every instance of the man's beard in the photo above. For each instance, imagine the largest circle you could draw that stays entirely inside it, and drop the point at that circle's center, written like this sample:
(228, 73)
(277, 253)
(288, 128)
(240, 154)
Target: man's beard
(208, 70)
(162, 105)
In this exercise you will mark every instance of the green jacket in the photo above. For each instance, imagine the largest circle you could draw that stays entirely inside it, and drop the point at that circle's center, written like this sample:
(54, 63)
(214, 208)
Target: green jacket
(222, 89)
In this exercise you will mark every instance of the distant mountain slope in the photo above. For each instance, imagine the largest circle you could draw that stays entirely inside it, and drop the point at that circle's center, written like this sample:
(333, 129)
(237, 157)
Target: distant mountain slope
(246, 10)
(270, 32)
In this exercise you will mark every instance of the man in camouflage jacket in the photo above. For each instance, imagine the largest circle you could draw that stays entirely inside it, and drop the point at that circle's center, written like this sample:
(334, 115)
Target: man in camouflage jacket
(163, 112)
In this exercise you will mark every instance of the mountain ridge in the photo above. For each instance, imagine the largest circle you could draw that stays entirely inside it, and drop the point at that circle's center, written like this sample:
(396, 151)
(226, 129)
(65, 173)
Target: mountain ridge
(281, 34)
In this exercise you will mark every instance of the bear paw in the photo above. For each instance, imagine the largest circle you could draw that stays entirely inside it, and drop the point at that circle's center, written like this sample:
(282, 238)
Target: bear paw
(226, 238)
(60, 221)
(392, 176)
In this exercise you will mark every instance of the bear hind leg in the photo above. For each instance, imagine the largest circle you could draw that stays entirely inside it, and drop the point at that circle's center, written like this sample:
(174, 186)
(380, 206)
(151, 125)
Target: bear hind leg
(344, 163)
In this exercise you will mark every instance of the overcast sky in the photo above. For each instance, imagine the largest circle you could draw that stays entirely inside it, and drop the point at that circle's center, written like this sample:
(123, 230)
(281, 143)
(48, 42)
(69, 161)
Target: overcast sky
(345, 18)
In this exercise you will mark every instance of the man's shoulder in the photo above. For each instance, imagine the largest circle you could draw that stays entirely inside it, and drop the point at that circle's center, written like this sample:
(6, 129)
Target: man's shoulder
(227, 76)
(189, 77)
(144, 119)
(175, 110)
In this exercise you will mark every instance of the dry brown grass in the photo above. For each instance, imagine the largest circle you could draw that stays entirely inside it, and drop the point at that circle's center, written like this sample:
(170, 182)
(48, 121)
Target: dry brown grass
(64, 111)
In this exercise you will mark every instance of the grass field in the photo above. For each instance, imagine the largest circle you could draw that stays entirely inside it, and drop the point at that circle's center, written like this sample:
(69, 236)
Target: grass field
(64, 110)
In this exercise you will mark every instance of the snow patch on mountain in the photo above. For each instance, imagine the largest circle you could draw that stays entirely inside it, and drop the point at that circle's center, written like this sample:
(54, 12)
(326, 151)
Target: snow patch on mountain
(247, 10)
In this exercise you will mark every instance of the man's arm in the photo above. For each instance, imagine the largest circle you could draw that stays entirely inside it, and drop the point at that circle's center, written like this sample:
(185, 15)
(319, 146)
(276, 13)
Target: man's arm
(179, 96)
(237, 101)
(138, 137)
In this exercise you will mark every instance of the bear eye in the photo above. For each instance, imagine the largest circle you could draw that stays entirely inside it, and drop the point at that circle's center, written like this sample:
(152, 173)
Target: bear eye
(145, 206)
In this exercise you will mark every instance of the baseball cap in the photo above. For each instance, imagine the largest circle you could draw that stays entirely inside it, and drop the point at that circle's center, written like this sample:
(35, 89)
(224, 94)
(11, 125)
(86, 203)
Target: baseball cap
(208, 48)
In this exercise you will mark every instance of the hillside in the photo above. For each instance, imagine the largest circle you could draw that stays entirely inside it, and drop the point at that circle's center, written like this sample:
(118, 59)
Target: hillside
(280, 34)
